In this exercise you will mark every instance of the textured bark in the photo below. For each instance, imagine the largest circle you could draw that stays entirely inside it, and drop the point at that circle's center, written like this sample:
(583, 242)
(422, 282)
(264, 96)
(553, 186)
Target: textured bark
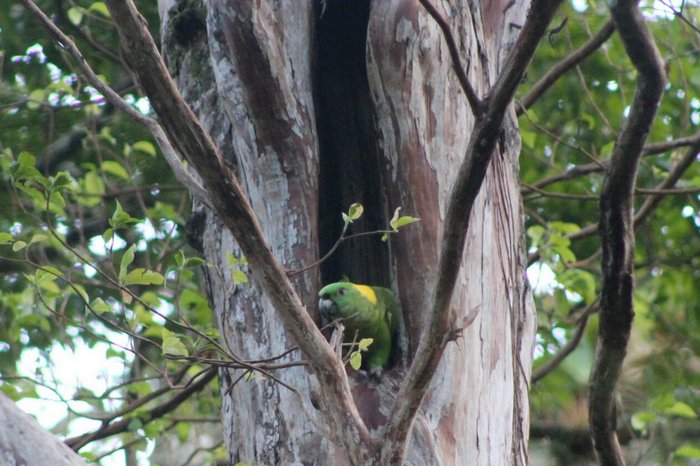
(388, 129)
(424, 126)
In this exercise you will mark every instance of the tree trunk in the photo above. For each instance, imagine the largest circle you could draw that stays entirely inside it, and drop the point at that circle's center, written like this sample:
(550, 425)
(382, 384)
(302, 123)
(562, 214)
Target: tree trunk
(320, 106)
(24, 441)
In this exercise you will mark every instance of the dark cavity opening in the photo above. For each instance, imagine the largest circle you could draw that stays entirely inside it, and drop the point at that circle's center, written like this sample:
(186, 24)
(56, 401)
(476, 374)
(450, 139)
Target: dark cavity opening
(350, 170)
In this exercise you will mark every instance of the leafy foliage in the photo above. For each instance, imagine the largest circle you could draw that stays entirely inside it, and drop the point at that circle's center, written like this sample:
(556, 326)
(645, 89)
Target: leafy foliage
(92, 243)
(568, 135)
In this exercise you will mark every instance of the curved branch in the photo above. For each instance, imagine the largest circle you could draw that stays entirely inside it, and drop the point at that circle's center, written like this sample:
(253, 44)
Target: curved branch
(616, 230)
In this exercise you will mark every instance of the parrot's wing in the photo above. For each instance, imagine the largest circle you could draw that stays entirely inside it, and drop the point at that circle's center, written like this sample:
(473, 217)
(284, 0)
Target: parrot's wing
(390, 307)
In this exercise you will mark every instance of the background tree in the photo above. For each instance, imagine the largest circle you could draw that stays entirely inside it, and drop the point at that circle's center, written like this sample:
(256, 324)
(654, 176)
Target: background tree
(314, 107)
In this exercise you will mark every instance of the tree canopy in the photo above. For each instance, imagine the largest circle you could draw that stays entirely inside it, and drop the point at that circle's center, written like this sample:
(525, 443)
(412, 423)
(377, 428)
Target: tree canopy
(98, 249)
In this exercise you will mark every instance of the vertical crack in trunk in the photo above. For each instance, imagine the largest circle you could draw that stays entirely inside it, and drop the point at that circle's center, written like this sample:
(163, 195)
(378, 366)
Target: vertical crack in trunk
(350, 170)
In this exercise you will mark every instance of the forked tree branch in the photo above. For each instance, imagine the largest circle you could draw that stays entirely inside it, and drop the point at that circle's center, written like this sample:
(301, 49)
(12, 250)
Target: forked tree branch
(617, 229)
(572, 60)
(470, 177)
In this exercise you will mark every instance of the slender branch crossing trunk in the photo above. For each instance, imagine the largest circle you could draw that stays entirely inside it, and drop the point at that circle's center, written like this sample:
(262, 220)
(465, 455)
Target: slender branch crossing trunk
(319, 106)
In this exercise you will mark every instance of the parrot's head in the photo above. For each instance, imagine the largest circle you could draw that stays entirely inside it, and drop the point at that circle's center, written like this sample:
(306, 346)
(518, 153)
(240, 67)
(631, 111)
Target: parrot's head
(342, 299)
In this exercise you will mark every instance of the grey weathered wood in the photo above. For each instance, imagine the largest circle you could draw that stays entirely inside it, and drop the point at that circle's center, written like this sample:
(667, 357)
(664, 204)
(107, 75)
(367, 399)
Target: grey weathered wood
(23, 441)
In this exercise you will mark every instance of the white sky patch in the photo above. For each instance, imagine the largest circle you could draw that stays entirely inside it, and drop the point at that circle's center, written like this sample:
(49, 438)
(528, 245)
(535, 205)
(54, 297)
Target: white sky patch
(98, 247)
(580, 5)
(83, 367)
(541, 278)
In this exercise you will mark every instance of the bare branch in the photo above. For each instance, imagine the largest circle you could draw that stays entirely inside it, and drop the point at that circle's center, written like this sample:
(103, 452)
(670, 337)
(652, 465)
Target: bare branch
(565, 65)
(617, 230)
(179, 169)
(565, 350)
(109, 429)
(468, 182)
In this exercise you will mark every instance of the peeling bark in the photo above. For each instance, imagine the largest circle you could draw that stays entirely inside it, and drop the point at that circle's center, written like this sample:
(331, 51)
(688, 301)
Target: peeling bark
(254, 92)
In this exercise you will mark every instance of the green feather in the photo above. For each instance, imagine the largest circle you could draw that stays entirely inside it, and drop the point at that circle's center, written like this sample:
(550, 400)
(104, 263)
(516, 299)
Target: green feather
(366, 312)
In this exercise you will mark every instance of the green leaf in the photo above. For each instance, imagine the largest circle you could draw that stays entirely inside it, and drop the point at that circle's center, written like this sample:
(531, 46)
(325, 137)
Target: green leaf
(75, 15)
(108, 235)
(355, 211)
(641, 420)
(36, 98)
(25, 169)
(80, 289)
(142, 316)
(688, 451)
(5, 238)
(196, 262)
(172, 344)
(18, 246)
(233, 260)
(364, 343)
(120, 218)
(398, 221)
(239, 277)
(46, 274)
(180, 259)
(141, 387)
(394, 218)
(403, 221)
(356, 360)
(126, 261)
(38, 238)
(115, 169)
(145, 147)
(101, 8)
(92, 189)
(61, 181)
(99, 306)
(681, 409)
(564, 228)
(141, 276)
(94, 184)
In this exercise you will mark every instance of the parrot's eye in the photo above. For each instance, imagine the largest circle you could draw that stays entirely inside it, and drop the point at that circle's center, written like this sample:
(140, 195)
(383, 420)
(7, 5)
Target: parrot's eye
(341, 292)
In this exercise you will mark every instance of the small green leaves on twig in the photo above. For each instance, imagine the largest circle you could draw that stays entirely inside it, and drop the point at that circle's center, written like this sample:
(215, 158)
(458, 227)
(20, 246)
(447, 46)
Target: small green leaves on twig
(354, 212)
(172, 344)
(239, 277)
(397, 222)
(356, 356)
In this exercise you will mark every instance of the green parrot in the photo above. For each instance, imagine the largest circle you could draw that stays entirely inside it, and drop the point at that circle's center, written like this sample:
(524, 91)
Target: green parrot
(366, 312)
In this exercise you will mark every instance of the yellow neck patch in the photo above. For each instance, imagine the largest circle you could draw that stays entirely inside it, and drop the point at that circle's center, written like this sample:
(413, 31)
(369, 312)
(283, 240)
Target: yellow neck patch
(367, 292)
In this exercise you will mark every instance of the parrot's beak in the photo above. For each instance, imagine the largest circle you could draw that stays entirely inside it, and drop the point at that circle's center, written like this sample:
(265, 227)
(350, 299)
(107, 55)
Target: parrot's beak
(326, 307)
